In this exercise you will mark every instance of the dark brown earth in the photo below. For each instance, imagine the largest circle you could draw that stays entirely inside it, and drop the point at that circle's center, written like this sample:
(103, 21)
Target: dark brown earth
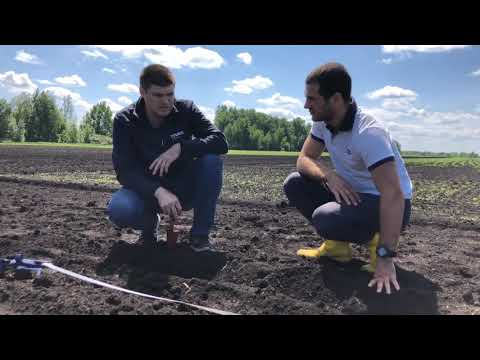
(255, 271)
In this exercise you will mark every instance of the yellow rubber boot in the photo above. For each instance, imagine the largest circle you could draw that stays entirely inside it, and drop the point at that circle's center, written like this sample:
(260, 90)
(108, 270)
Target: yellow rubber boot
(372, 249)
(336, 250)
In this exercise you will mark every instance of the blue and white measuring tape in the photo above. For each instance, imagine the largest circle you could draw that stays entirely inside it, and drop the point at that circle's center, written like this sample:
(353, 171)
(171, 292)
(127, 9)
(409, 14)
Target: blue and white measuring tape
(18, 262)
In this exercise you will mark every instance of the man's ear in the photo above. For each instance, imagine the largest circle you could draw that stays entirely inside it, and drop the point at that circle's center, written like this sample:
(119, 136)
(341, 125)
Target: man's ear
(142, 92)
(337, 98)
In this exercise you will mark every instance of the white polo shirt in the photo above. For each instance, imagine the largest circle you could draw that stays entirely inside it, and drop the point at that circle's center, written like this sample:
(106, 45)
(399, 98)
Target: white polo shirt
(356, 152)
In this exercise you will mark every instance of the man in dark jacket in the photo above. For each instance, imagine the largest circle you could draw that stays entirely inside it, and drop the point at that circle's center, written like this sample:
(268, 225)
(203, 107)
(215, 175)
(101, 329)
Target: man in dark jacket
(166, 154)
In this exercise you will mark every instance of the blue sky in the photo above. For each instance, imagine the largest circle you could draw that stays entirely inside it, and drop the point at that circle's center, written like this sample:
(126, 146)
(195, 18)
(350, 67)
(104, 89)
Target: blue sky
(427, 95)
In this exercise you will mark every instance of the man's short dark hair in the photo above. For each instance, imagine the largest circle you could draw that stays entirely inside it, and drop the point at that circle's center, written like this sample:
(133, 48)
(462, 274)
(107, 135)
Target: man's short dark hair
(156, 74)
(332, 78)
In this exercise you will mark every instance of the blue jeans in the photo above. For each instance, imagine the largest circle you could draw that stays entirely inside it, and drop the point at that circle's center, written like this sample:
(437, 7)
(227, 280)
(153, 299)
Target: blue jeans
(128, 209)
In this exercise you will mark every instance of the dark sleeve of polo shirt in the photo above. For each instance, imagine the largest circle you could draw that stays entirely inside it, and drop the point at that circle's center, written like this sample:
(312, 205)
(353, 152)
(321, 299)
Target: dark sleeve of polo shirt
(316, 132)
(128, 167)
(375, 147)
(317, 139)
(208, 138)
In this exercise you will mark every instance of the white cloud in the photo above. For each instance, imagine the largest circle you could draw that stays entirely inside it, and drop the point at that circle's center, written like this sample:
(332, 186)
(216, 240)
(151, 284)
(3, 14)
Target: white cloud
(384, 115)
(17, 83)
(387, 61)
(208, 112)
(111, 71)
(247, 86)
(400, 104)
(229, 103)
(277, 100)
(201, 58)
(281, 113)
(125, 88)
(396, 49)
(71, 80)
(392, 91)
(283, 107)
(124, 100)
(416, 111)
(398, 128)
(418, 129)
(45, 82)
(94, 54)
(25, 57)
(403, 106)
(245, 57)
(476, 73)
(129, 51)
(170, 56)
(194, 58)
(112, 104)
(451, 118)
(60, 93)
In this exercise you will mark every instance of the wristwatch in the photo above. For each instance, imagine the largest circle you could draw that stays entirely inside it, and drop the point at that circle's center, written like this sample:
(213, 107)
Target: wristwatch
(384, 252)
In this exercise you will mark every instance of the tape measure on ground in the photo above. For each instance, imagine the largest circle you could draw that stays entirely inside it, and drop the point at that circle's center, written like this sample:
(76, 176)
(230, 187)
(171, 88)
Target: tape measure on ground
(113, 287)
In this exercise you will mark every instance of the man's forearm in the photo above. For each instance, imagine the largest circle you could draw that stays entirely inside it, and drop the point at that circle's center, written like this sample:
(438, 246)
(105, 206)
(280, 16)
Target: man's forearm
(160, 191)
(312, 169)
(138, 182)
(392, 206)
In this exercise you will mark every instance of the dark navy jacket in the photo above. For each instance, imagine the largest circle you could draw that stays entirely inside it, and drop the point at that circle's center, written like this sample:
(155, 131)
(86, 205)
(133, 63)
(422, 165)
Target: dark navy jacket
(136, 144)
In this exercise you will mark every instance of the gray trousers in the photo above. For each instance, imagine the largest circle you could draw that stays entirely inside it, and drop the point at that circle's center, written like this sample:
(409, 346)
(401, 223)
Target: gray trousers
(334, 221)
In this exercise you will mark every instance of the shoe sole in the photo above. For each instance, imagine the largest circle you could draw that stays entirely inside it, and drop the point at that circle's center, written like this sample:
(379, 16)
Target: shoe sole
(201, 249)
(340, 259)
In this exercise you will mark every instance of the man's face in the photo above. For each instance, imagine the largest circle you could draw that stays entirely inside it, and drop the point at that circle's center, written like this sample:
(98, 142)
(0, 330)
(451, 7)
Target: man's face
(320, 109)
(159, 100)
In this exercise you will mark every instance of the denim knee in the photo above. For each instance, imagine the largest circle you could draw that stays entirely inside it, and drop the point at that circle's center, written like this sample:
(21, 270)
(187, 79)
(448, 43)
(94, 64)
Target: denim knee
(122, 212)
(210, 161)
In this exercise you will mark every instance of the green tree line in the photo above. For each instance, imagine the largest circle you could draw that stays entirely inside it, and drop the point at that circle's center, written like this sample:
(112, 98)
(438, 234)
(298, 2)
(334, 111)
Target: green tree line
(36, 117)
(246, 129)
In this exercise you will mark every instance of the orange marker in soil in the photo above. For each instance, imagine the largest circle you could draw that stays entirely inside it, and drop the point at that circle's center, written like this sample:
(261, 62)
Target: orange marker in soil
(172, 235)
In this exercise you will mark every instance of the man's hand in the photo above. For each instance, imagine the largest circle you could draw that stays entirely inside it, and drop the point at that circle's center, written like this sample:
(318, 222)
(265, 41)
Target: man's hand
(168, 203)
(341, 189)
(161, 164)
(384, 274)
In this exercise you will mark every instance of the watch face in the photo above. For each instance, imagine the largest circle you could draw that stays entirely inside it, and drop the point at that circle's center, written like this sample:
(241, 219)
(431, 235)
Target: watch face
(382, 252)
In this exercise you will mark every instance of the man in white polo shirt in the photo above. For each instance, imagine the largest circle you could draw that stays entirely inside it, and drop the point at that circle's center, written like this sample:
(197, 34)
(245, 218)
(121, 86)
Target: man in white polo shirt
(366, 199)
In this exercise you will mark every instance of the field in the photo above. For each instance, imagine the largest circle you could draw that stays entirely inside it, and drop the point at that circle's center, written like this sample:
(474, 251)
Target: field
(53, 208)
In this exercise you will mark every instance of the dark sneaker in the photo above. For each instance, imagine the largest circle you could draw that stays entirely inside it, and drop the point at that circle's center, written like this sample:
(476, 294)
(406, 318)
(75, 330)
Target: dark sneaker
(147, 239)
(200, 244)
(150, 238)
